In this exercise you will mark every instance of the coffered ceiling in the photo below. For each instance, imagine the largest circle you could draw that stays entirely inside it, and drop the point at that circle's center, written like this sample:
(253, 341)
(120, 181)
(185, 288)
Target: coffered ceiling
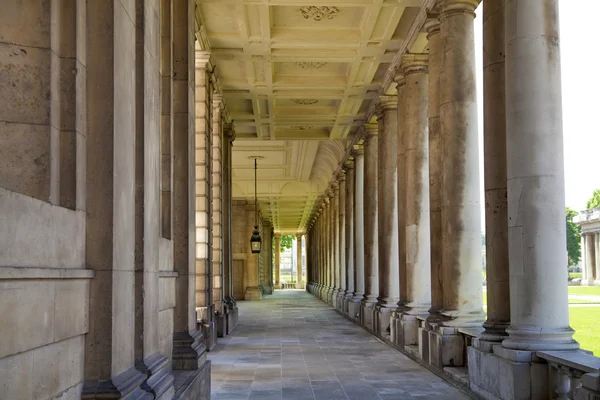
(299, 78)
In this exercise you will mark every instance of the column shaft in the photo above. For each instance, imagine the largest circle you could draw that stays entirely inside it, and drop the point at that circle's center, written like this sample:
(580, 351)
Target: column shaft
(359, 222)
(597, 277)
(350, 288)
(590, 256)
(401, 179)
(389, 273)
(494, 145)
(535, 173)
(277, 261)
(435, 168)
(371, 216)
(217, 203)
(461, 218)
(416, 141)
(342, 235)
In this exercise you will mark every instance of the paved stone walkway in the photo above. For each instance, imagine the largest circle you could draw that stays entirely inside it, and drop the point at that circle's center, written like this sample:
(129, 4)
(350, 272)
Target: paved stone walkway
(292, 346)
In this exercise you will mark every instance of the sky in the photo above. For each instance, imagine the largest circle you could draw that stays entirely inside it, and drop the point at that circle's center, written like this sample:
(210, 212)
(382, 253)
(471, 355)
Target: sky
(580, 61)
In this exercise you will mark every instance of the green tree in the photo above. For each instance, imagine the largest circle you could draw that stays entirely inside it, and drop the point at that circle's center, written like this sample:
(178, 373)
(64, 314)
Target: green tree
(594, 202)
(573, 238)
(284, 243)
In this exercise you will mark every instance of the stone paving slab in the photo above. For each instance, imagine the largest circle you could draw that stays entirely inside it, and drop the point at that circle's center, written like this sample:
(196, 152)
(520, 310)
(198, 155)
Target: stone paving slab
(292, 346)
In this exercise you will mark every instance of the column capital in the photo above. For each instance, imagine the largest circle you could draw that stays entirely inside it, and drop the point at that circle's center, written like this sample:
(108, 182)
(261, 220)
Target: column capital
(371, 130)
(388, 103)
(400, 79)
(229, 132)
(415, 64)
(358, 149)
(277, 235)
(202, 59)
(458, 7)
(432, 25)
(349, 163)
(299, 236)
(341, 175)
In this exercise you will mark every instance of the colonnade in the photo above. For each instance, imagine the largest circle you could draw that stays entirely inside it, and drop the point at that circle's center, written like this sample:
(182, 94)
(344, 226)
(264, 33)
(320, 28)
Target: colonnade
(411, 271)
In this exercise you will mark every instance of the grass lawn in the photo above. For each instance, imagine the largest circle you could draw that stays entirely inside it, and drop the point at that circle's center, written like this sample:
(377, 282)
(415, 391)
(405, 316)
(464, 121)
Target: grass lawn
(586, 322)
(574, 275)
(585, 290)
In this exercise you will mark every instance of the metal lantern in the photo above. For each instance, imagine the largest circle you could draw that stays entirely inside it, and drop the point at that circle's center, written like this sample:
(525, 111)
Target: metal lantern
(255, 240)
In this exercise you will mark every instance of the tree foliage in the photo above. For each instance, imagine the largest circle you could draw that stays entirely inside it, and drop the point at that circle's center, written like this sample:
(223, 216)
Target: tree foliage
(285, 243)
(594, 202)
(573, 238)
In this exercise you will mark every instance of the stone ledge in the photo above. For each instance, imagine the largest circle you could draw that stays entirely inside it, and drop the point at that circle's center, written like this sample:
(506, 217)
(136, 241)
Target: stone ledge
(168, 274)
(579, 359)
(16, 273)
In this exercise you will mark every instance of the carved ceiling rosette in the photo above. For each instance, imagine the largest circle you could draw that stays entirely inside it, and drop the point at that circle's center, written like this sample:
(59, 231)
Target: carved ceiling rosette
(318, 13)
(310, 64)
(305, 102)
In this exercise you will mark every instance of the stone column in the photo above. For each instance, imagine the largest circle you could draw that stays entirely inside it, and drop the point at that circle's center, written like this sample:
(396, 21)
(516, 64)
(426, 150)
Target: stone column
(188, 346)
(461, 218)
(389, 273)
(217, 203)
(349, 227)
(584, 269)
(535, 173)
(590, 257)
(341, 241)
(597, 253)
(299, 284)
(370, 227)
(149, 359)
(335, 244)
(417, 233)
(277, 261)
(494, 145)
(203, 201)
(359, 232)
(395, 326)
(227, 232)
(435, 168)
(110, 209)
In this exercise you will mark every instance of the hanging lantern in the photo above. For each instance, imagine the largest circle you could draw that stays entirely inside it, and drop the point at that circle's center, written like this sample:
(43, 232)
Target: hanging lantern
(255, 240)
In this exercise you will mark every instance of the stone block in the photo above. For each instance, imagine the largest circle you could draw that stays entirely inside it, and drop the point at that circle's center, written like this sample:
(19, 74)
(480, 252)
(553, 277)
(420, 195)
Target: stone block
(57, 366)
(423, 336)
(252, 293)
(166, 290)
(39, 234)
(165, 333)
(26, 23)
(396, 336)
(410, 329)
(494, 377)
(16, 375)
(71, 308)
(445, 350)
(197, 386)
(210, 334)
(27, 315)
(384, 316)
(366, 315)
(354, 310)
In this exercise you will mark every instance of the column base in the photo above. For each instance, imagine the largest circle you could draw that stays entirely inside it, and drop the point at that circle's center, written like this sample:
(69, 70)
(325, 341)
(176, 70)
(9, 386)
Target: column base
(188, 348)
(252, 293)
(268, 289)
(300, 285)
(221, 323)
(522, 376)
(445, 347)
(125, 385)
(597, 283)
(160, 380)
(333, 297)
(366, 314)
(341, 296)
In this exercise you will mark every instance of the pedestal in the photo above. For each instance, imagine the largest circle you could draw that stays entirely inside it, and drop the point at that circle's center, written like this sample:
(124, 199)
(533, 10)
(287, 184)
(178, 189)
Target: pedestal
(366, 315)
(334, 297)
(409, 326)
(382, 319)
(445, 347)
(354, 308)
(423, 339)
(521, 376)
